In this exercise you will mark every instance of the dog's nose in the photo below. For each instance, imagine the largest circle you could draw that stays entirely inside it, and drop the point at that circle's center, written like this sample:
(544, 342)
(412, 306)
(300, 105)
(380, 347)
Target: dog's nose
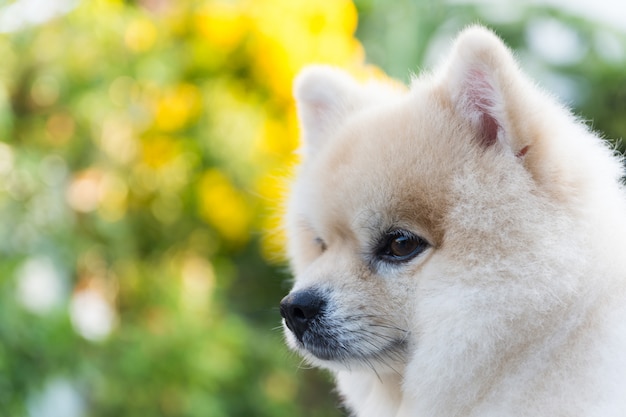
(299, 309)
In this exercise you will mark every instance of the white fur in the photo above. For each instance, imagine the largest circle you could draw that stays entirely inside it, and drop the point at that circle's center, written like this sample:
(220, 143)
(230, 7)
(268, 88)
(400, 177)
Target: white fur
(519, 306)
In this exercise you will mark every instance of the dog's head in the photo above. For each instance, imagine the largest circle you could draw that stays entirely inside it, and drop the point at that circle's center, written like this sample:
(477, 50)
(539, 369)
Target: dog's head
(409, 203)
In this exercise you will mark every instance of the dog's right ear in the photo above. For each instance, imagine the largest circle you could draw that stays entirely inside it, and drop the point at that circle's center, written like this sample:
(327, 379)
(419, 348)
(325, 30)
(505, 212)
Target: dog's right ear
(482, 81)
(324, 96)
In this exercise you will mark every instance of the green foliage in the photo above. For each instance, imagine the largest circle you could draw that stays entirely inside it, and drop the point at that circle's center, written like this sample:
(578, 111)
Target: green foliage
(132, 281)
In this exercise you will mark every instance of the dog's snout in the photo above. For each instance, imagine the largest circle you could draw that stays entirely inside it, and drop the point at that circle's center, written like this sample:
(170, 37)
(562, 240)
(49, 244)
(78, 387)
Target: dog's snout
(299, 309)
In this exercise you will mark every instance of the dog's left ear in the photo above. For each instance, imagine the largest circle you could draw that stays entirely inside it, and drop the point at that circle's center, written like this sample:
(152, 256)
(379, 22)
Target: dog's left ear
(479, 79)
(324, 97)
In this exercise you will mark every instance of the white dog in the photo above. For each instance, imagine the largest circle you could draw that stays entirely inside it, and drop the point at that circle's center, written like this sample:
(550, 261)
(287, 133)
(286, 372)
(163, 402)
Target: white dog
(460, 248)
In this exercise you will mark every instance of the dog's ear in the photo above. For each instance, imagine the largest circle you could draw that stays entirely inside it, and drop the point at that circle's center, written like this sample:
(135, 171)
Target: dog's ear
(324, 95)
(479, 78)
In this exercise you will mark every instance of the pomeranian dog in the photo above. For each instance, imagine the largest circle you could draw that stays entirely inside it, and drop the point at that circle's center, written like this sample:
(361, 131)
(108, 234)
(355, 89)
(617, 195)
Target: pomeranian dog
(459, 248)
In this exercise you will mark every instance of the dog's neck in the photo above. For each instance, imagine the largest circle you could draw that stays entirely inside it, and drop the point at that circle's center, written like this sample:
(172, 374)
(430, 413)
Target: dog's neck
(382, 393)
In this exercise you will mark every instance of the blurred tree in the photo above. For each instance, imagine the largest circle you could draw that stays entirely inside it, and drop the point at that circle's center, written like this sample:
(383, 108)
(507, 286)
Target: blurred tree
(143, 148)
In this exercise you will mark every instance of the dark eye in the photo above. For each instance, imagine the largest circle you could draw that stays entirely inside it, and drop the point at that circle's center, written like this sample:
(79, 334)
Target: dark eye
(320, 243)
(401, 246)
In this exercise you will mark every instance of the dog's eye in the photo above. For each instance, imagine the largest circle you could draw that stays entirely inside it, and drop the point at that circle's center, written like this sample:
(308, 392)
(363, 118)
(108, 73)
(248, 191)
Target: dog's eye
(320, 244)
(401, 246)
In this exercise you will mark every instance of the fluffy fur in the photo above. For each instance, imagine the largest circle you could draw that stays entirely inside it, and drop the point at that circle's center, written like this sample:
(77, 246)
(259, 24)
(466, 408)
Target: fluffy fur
(516, 303)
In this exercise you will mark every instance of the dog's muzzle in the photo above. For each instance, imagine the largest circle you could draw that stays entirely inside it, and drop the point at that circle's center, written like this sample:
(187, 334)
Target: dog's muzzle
(300, 309)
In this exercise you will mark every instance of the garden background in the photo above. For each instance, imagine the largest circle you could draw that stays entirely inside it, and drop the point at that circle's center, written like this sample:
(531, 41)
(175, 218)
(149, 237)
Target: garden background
(144, 147)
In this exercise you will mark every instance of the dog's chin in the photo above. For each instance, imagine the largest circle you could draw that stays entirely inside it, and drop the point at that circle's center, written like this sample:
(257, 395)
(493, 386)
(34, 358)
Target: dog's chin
(336, 354)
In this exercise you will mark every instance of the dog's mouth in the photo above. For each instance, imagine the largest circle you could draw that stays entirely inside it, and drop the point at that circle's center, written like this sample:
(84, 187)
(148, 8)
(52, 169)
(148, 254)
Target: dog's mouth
(331, 337)
(354, 345)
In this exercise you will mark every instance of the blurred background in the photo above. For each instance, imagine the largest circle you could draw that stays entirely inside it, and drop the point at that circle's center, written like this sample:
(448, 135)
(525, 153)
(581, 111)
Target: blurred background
(144, 147)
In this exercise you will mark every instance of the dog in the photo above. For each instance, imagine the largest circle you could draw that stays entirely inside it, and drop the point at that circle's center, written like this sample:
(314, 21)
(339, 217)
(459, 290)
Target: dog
(459, 246)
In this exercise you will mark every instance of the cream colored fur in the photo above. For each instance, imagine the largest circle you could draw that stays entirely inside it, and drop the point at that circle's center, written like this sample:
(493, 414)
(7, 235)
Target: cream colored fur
(518, 306)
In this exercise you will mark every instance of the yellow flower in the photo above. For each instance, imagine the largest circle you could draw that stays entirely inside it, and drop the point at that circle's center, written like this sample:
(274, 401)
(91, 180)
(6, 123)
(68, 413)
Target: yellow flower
(293, 33)
(177, 107)
(278, 138)
(222, 24)
(272, 189)
(158, 151)
(224, 207)
(140, 35)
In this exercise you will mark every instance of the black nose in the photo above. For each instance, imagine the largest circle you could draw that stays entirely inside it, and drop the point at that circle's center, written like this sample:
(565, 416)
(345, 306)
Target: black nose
(300, 308)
